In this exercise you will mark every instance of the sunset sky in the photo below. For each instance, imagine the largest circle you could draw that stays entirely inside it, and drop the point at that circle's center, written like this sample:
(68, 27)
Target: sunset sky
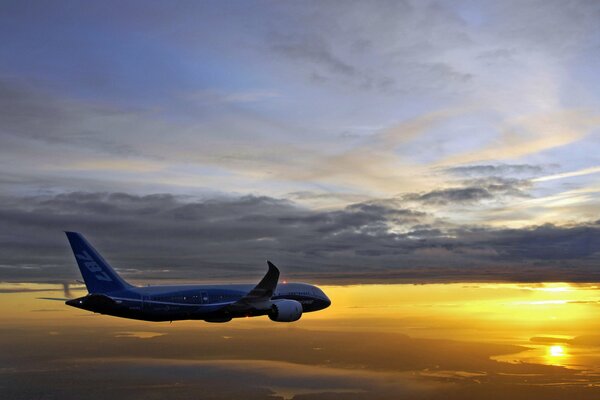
(386, 135)
(364, 146)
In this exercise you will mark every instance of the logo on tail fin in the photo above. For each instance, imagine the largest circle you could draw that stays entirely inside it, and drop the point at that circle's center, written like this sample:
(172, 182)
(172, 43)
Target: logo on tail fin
(93, 266)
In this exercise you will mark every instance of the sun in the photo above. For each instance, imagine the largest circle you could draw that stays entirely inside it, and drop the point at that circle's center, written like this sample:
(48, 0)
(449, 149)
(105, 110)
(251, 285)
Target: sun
(556, 351)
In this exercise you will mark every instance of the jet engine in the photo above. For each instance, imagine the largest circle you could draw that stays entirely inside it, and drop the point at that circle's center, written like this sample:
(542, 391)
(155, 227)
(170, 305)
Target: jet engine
(285, 311)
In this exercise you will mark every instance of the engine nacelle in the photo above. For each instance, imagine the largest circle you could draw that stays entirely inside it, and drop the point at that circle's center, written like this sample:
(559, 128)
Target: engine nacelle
(285, 311)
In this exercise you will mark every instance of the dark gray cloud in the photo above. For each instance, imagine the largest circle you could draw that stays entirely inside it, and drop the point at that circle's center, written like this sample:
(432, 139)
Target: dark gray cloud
(546, 242)
(473, 191)
(454, 195)
(168, 237)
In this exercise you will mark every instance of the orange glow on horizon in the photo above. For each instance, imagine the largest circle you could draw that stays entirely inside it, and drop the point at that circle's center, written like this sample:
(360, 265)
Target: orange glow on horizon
(485, 312)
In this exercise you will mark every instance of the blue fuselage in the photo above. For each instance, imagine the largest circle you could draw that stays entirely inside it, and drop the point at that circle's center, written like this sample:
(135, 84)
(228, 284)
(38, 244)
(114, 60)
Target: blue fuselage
(197, 302)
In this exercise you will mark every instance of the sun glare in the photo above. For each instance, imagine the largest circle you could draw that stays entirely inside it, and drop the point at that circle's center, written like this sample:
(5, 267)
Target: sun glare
(556, 351)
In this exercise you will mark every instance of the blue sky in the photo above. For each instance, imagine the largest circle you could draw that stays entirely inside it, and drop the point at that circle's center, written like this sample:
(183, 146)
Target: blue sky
(477, 115)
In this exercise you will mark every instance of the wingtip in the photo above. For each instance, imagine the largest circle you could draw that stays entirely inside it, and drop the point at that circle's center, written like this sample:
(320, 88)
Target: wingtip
(271, 265)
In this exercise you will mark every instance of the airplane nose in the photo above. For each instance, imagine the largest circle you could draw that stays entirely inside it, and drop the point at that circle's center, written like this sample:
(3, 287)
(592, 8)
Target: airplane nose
(74, 302)
(326, 302)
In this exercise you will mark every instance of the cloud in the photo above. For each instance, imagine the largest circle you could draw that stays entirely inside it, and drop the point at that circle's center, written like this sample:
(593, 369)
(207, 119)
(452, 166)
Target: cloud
(473, 191)
(496, 170)
(546, 242)
(531, 134)
(445, 196)
(110, 148)
(169, 237)
(581, 172)
(313, 50)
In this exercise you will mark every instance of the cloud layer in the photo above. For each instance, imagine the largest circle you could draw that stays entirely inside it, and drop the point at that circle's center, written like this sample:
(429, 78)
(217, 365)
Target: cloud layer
(165, 236)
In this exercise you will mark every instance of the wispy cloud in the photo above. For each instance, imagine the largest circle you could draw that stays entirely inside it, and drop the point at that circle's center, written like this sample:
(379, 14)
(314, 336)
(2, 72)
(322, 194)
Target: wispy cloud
(581, 172)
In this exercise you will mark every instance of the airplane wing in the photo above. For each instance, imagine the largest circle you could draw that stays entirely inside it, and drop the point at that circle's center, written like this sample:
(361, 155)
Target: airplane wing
(259, 298)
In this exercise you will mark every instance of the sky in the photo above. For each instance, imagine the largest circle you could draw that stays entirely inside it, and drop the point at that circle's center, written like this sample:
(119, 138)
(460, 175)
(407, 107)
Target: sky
(364, 141)
(434, 166)
(202, 137)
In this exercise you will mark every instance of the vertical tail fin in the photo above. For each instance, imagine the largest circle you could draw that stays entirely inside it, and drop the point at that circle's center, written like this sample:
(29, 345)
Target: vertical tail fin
(98, 275)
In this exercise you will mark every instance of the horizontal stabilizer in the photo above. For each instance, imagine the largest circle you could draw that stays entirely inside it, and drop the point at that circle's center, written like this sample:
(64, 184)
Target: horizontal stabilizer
(54, 298)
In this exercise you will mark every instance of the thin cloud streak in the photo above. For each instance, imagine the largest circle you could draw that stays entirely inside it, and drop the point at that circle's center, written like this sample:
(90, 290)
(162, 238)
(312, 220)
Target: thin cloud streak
(581, 172)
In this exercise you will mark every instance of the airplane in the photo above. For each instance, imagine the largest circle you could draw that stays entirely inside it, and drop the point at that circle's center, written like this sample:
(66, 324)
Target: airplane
(109, 294)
